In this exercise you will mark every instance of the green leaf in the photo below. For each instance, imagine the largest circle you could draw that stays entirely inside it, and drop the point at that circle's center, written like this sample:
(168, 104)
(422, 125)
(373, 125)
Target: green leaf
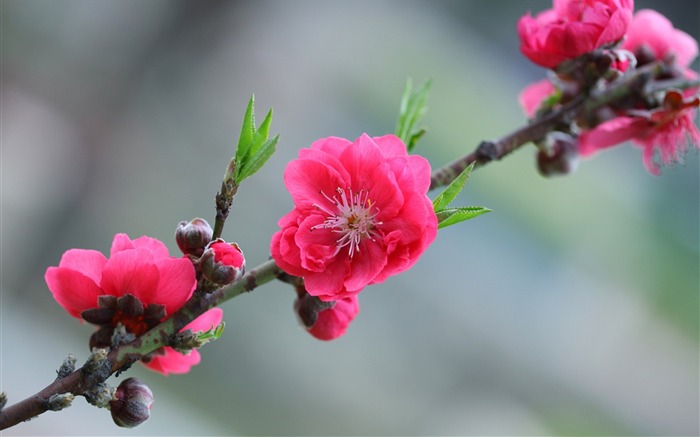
(451, 216)
(254, 147)
(211, 334)
(261, 156)
(448, 195)
(410, 112)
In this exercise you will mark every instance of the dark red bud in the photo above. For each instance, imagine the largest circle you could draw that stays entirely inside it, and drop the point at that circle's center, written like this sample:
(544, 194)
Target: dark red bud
(193, 237)
(132, 403)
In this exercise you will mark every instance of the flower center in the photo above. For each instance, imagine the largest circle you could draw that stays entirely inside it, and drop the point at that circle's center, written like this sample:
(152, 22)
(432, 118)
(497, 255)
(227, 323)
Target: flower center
(136, 325)
(353, 216)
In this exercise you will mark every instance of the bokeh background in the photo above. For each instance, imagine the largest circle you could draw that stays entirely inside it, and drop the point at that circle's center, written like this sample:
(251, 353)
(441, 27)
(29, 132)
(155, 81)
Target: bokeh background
(572, 309)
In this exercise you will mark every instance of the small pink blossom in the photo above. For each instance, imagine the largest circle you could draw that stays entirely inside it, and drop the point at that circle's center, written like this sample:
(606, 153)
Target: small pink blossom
(572, 28)
(532, 96)
(333, 322)
(138, 286)
(361, 214)
(222, 262)
(170, 361)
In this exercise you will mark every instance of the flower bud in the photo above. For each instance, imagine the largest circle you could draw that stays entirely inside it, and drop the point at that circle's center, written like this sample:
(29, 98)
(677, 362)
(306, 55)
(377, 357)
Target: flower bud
(560, 155)
(132, 403)
(193, 237)
(326, 320)
(222, 262)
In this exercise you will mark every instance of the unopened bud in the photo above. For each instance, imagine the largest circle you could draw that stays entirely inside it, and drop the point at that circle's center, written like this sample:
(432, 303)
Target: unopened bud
(132, 403)
(59, 401)
(326, 320)
(67, 367)
(222, 262)
(560, 155)
(193, 237)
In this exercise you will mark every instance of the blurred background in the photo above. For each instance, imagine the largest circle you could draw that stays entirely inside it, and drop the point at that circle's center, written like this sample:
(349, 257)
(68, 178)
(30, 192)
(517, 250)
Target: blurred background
(572, 309)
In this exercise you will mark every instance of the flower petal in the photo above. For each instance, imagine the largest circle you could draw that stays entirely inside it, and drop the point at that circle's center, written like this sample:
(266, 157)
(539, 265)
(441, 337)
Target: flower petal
(208, 320)
(87, 262)
(308, 180)
(316, 246)
(177, 281)
(366, 263)
(73, 290)
(156, 247)
(134, 272)
(611, 133)
(120, 242)
(327, 285)
(173, 361)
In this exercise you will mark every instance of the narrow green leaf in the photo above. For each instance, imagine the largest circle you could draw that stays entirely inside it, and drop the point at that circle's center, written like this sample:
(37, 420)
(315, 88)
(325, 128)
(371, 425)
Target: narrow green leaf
(256, 162)
(254, 147)
(451, 216)
(264, 130)
(450, 193)
(245, 140)
(411, 109)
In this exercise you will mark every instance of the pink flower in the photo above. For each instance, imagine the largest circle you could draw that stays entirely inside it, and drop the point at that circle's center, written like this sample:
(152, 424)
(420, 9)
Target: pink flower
(666, 130)
(138, 286)
(532, 96)
(572, 28)
(333, 322)
(361, 214)
(170, 361)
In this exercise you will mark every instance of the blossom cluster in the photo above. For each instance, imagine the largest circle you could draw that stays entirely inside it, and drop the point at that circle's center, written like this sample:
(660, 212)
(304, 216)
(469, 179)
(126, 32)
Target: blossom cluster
(139, 286)
(590, 44)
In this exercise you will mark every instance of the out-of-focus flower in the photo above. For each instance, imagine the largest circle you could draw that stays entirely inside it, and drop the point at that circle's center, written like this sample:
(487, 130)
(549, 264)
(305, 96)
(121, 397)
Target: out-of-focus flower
(326, 320)
(222, 262)
(652, 34)
(532, 96)
(361, 214)
(136, 288)
(132, 403)
(572, 28)
(667, 130)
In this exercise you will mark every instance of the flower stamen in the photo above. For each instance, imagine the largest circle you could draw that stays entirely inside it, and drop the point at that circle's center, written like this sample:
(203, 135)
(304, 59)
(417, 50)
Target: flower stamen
(353, 215)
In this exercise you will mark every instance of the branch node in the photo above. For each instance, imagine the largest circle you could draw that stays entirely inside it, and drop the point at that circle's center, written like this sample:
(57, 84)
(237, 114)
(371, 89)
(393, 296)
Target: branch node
(67, 367)
(100, 395)
(487, 151)
(59, 401)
